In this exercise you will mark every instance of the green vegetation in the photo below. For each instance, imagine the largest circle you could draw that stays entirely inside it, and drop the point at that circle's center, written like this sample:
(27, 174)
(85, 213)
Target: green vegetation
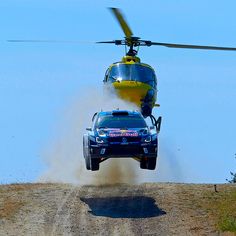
(227, 223)
(233, 176)
(222, 208)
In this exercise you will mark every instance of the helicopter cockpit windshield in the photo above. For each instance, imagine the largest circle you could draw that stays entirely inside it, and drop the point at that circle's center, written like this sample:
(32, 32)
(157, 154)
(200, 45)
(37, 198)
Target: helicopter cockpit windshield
(132, 72)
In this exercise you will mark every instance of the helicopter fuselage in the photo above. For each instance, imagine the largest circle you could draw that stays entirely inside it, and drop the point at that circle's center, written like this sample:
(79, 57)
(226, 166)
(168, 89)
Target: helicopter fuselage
(134, 82)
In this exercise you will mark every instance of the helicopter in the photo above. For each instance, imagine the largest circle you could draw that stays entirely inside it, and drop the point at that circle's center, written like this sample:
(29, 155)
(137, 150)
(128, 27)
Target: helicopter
(133, 80)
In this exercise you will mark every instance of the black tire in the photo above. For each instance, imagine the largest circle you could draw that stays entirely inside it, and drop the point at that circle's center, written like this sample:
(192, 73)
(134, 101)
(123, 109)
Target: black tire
(86, 156)
(94, 164)
(151, 163)
(84, 148)
(143, 164)
(87, 164)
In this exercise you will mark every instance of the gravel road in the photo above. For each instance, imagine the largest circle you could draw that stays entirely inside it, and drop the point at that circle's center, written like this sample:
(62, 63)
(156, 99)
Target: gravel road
(146, 209)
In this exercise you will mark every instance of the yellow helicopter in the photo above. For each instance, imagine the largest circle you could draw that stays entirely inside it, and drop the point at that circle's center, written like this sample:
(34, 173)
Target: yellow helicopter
(133, 80)
(136, 81)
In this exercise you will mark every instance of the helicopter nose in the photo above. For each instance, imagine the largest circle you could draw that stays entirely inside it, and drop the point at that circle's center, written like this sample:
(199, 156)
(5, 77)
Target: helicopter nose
(132, 91)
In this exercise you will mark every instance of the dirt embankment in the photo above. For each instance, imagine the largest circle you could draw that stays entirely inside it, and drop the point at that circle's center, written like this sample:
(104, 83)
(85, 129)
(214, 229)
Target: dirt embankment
(147, 209)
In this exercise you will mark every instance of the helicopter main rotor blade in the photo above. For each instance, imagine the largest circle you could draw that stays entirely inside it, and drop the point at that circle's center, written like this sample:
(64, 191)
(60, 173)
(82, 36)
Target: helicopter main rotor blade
(113, 41)
(43, 41)
(120, 18)
(116, 42)
(188, 46)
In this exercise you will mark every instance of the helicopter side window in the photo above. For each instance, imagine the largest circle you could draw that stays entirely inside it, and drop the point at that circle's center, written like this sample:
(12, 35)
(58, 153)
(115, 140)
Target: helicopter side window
(144, 74)
(152, 81)
(106, 76)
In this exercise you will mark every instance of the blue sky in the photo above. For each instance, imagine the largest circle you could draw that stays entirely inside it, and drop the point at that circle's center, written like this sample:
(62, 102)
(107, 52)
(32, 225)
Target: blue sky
(197, 89)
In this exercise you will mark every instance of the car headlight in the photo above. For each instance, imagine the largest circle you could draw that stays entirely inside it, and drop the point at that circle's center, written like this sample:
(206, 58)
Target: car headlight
(144, 131)
(101, 133)
(148, 139)
(100, 140)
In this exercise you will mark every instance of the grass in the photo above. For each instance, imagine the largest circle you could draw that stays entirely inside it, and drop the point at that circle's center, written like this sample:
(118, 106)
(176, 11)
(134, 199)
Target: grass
(222, 208)
(10, 207)
(12, 197)
(227, 223)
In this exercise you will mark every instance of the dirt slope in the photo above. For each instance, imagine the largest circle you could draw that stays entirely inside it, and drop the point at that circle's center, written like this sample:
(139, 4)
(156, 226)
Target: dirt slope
(147, 209)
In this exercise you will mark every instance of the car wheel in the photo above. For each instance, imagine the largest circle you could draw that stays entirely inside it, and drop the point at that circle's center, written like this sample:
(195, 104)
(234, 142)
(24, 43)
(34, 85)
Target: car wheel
(84, 151)
(143, 163)
(86, 155)
(87, 164)
(151, 163)
(94, 164)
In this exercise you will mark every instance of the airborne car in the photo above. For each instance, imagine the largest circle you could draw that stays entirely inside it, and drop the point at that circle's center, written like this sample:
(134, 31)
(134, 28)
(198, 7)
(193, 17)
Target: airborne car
(116, 134)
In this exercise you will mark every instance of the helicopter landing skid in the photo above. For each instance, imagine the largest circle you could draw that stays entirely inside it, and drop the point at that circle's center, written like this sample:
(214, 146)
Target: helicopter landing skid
(156, 122)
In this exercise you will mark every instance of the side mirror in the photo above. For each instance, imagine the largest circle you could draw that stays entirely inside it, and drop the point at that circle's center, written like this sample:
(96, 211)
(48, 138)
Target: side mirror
(152, 127)
(89, 129)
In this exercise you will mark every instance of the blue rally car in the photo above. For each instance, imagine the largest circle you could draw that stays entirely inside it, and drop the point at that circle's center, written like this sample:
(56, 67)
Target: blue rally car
(116, 134)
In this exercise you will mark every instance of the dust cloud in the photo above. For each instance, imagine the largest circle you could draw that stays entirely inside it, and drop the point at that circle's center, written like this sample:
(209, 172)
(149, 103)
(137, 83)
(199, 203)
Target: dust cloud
(64, 154)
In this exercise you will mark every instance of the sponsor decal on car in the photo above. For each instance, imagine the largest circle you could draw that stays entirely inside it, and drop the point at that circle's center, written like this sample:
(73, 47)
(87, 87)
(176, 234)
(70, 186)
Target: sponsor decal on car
(123, 133)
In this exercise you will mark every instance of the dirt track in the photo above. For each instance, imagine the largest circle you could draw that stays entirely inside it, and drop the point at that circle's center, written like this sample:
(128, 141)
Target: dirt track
(147, 209)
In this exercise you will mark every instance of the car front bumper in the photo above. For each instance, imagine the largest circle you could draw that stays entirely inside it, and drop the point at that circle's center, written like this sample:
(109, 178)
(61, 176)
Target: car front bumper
(120, 150)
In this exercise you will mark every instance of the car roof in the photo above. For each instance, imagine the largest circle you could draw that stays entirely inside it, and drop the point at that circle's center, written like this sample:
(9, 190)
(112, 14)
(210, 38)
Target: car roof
(119, 113)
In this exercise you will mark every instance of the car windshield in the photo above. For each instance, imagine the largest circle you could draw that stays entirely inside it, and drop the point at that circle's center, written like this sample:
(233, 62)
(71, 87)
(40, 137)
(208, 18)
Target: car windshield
(132, 72)
(121, 122)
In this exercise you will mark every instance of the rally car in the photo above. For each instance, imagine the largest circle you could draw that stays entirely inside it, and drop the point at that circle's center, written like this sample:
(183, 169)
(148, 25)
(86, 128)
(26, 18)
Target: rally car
(118, 134)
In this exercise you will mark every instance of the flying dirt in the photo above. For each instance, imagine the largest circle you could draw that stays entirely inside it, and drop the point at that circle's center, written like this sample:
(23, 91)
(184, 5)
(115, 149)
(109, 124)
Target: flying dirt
(64, 154)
